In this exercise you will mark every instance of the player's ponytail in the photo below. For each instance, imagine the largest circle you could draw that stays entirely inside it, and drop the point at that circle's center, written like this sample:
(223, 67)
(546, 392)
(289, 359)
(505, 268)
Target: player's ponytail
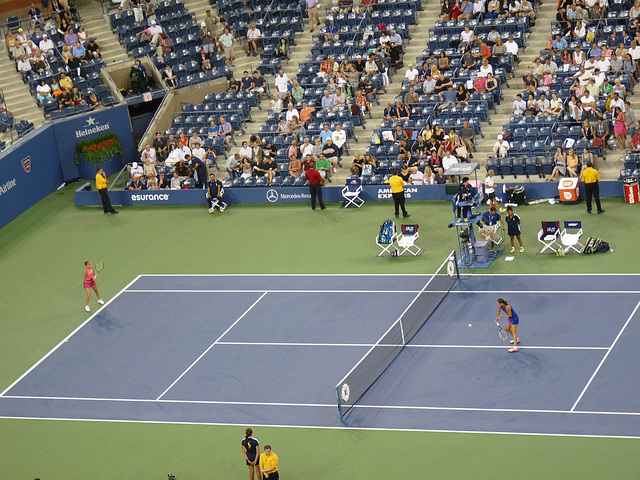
(503, 301)
(248, 433)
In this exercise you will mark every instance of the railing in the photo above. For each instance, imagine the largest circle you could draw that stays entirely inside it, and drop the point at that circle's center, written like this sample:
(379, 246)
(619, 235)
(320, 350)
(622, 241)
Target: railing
(29, 27)
(124, 173)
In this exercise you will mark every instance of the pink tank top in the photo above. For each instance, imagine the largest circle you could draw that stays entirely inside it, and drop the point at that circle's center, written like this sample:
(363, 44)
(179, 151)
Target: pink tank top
(90, 274)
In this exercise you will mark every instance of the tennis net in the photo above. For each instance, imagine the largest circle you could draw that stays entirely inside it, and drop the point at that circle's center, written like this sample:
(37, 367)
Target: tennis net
(364, 374)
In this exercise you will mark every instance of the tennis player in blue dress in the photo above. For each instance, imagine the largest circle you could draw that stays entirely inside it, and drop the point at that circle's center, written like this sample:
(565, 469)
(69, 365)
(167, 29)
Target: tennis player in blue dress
(251, 452)
(512, 321)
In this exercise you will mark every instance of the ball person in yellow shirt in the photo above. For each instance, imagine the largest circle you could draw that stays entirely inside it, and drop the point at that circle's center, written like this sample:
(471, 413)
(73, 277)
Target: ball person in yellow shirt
(590, 176)
(101, 186)
(397, 192)
(269, 464)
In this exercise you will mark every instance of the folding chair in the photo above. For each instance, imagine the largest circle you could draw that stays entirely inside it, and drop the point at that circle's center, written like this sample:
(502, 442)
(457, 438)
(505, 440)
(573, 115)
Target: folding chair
(407, 240)
(218, 202)
(548, 236)
(498, 233)
(387, 243)
(570, 236)
(351, 193)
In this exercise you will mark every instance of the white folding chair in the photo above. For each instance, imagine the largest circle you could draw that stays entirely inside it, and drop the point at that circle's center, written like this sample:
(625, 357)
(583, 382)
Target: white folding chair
(570, 236)
(351, 193)
(407, 240)
(498, 234)
(548, 236)
(387, 244)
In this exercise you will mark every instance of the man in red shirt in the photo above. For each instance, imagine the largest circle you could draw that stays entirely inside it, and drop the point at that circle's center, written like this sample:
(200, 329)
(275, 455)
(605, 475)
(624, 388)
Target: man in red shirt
(315, 186)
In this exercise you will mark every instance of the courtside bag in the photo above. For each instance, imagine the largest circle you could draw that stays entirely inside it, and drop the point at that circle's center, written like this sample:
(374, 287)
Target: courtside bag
(592, 245)
(385, 237)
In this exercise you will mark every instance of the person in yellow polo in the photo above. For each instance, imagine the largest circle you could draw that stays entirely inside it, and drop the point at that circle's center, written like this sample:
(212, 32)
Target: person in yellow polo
(101, 186)
(269, 464)
(397, 192)
(590, 176)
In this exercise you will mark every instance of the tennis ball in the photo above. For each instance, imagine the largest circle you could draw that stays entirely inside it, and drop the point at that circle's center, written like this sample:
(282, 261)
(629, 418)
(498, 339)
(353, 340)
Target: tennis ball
(469, 324)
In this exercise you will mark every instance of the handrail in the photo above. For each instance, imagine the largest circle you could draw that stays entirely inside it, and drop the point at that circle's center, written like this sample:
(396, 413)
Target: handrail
(124, 170)
(150, 127)
(25, 23)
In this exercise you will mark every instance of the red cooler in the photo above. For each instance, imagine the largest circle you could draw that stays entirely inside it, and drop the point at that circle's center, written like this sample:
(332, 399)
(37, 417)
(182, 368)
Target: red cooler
(569, 190)
(631, 191)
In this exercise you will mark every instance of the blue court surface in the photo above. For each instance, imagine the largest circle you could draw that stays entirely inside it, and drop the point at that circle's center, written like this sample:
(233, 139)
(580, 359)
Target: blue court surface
(269, 350)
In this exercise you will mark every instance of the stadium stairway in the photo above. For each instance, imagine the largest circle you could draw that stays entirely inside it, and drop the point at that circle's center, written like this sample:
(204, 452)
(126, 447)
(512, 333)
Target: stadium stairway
(17, 96)
(426, 18)
(96, 24)
(609, 169)
(298, 53)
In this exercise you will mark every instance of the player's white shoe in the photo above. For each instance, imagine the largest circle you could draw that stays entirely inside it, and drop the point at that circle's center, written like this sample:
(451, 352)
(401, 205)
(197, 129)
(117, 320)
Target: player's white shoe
(86, 307)
(101, 302)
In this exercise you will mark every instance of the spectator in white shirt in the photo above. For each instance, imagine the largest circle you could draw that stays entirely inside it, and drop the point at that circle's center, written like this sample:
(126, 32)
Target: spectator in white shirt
(412, 74)
(282, 82)
(501, 147)
(588, 105)
(466, 37)
(245, 151)
(416, 177)
(198, 152)
(512, 47)
(339, 138)
(486, 68)
(616, 101)
(24, 67)
(253, 37)
(449, 160)
(519, 105)
(291, 112)
(543, 103)
(46, 45)
(136, 170)
(306, 148)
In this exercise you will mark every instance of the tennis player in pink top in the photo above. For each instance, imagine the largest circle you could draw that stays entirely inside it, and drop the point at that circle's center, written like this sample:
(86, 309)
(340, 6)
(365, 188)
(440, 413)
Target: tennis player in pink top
(90, 283)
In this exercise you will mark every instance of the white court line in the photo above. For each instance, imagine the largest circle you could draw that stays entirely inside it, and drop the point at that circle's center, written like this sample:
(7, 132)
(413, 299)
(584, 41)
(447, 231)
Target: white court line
(285, 275)
(489, 292)
(398, 320)
(211, 346)
(573, 292)
(326, 405)
(605, 356)
(66, 339)
(308, 344)
(316, 427)
(262, 290)
(384, 275)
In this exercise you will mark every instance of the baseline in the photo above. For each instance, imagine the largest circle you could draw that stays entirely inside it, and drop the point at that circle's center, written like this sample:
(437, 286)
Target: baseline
(66, 339)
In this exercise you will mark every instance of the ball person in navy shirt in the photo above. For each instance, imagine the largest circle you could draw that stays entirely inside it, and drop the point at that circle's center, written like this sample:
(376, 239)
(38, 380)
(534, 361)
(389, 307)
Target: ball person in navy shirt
(251, 452)
(513, 229)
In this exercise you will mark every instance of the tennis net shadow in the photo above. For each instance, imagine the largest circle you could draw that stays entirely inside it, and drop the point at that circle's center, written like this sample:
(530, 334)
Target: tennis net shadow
(364, 374)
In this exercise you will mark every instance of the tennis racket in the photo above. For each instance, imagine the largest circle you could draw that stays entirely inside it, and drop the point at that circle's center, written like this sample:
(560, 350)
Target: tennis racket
(502, 333)
(97, 268)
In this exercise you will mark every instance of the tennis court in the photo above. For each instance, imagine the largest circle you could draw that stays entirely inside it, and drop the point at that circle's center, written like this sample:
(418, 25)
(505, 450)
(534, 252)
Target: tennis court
(269, 350)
